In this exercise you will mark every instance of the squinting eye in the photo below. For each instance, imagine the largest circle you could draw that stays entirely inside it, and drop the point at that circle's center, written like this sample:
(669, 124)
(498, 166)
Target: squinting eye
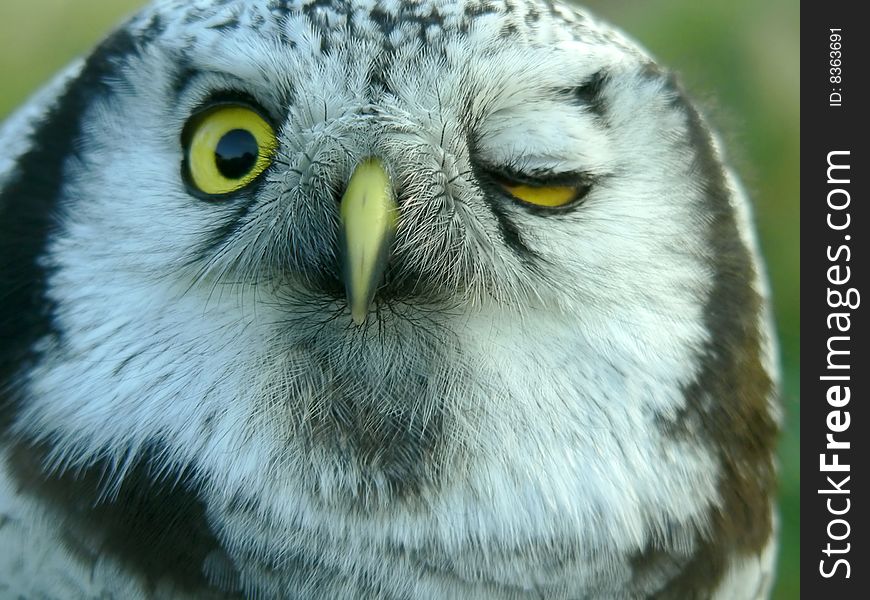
(551, 196)
(226, 148)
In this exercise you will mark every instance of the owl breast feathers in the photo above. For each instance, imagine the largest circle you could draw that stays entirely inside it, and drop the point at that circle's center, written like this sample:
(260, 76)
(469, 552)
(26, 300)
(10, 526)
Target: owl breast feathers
(375, 299)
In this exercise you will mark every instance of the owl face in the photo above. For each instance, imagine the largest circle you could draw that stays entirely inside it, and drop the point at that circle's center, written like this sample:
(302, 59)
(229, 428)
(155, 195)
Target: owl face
(396, 275)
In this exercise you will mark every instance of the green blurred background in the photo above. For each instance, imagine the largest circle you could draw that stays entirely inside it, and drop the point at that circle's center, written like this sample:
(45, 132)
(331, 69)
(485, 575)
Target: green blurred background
(740, 58)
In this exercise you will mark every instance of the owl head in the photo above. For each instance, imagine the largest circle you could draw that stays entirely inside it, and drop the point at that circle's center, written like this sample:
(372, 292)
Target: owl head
(397, 296)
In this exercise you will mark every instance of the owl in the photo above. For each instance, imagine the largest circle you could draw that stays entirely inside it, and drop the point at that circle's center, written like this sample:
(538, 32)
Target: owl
(327, 299)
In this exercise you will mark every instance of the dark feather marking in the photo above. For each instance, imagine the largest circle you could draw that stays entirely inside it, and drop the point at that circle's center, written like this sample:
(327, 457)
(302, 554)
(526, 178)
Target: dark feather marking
(154, 525)
(508, 230)
(726, 406)
(29, 206)
(590, 94)
(384, 439)
(155, 528)
(510, 233)
(230, 24)
(155, 28)
(230, 226)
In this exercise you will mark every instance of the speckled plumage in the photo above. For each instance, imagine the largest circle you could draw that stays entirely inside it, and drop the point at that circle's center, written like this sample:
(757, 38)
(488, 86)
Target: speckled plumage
(573, 403)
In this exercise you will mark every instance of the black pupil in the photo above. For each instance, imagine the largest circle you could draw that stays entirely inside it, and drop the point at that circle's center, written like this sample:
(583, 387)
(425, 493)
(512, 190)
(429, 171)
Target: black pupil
(236, 153)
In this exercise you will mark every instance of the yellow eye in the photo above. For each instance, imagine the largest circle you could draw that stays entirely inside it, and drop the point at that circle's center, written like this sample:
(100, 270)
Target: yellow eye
(551, 196)
(227, 147)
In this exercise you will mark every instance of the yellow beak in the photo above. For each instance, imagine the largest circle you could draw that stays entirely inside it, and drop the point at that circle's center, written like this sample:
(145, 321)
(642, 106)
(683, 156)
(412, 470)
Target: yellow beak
(368, 218)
